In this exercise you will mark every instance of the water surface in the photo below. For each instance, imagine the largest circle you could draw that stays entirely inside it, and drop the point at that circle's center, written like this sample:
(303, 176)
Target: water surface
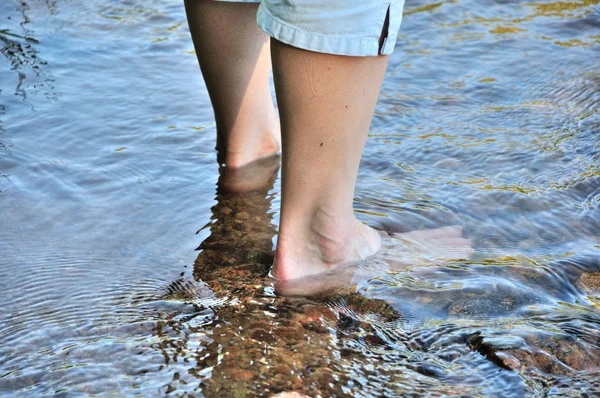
(124, 271)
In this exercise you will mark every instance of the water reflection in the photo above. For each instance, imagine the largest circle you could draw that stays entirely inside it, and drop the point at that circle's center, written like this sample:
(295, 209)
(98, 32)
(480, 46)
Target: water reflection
(241, 229)
(19, 45)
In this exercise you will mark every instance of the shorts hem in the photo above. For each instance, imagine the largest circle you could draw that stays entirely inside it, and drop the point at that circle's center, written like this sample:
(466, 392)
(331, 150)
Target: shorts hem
(322, 43)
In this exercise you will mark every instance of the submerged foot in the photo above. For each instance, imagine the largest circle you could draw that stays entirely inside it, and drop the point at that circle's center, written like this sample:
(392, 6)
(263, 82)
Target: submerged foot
(313, 274)
(439, 245)
(257, 175)
(324, 257)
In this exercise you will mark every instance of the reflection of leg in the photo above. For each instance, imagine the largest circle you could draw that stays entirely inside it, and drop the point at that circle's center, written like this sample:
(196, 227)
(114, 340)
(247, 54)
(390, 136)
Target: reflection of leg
(326, 103)
(234, 57)
(238, 251)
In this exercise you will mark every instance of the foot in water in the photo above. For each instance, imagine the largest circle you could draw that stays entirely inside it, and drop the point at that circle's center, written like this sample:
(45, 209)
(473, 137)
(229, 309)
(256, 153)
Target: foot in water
(250, 144)
(315, 273)
(255, 176)
(427, 246)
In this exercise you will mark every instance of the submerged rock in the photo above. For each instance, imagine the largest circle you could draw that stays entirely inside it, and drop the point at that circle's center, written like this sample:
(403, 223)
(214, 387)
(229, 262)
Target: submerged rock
(589, 282)
(547, 353)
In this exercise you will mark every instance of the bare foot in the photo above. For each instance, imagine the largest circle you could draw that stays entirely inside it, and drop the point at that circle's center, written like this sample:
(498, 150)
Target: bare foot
(433, 246)
(249, 146)
(237, 158)
(324, 259)
(428, 246)
(257, 175)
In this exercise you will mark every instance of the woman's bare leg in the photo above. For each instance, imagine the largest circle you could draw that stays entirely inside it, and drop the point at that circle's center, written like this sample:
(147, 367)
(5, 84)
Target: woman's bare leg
(235, 60)
(326, 103)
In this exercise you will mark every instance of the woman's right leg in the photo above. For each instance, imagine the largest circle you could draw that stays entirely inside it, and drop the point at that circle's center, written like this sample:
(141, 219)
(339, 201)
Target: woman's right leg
(326, 103)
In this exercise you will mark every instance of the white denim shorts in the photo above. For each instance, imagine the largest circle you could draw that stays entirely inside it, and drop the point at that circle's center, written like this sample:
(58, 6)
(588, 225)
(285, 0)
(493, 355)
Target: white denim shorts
(343, 27)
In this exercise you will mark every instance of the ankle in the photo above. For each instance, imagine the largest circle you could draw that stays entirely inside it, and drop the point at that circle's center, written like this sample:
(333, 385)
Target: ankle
(330, 235)
(244, 147)
(327, 241)
(239, 158)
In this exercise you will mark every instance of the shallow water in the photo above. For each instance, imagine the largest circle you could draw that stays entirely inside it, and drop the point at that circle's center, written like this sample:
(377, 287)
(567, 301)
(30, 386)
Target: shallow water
(123, 273)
